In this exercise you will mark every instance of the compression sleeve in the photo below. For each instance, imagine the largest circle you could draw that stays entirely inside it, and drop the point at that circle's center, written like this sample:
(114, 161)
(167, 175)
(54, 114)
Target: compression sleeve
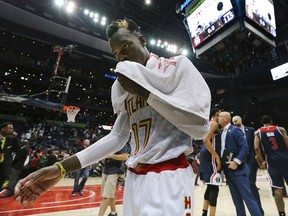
(191, 124)
(109, 144)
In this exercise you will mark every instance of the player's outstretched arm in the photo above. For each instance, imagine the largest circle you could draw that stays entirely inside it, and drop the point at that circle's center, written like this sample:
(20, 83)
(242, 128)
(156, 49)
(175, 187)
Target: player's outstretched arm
(34, 185)
(30, 188)
(207, 142)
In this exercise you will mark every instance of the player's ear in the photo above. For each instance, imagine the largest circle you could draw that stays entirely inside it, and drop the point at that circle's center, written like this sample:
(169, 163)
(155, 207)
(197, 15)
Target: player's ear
(142, 40)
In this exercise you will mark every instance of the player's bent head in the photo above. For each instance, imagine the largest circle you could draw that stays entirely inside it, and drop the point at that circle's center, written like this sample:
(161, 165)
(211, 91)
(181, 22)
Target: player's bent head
(266, 119)
(123, 23)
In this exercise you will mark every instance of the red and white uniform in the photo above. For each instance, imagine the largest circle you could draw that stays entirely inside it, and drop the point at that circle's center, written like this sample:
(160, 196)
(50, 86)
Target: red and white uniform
(160, 180)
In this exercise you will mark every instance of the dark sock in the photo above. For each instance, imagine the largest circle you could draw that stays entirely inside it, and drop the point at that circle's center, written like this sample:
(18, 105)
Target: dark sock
(204, 212)
(282, 214)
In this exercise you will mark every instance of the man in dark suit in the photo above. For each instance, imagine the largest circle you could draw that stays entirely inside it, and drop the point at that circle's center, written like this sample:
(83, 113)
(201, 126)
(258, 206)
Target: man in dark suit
(235, 147)
(6, 130)
(17, 167)
(12, 147)
(251, 161)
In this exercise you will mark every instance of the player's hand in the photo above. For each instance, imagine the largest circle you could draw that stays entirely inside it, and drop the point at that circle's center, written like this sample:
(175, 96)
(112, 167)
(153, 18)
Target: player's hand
(232, 165)
(218, 162)
(131, 86)
(14, 134)
(37, 183)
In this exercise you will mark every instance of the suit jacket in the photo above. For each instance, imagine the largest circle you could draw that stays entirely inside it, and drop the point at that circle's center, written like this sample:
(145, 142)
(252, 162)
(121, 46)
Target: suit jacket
(235, 142)
(249, 133)
(20, 157)
(11, 145)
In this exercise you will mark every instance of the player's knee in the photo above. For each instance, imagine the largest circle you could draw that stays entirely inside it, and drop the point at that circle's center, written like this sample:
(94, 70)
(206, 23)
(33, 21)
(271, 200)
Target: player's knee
(213, 195)
(206, 194)
(278, 193)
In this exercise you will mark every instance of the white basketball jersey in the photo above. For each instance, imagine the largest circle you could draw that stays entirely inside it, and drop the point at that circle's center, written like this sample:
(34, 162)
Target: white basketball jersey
(154, 139)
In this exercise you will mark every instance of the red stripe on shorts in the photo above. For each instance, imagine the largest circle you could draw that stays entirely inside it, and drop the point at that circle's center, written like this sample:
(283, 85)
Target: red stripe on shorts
(172, 164)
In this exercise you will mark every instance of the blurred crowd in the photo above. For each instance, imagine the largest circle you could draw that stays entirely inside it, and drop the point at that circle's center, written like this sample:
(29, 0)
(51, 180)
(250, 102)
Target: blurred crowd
(47, 144)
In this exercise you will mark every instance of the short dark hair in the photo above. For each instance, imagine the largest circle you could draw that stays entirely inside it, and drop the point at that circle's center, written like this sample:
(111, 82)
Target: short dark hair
(123, 23)
(5, 124)
(213, 111)
(266, 119)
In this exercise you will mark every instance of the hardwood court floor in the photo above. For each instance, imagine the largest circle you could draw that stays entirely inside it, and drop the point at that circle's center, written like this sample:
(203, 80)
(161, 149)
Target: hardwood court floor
(59, 201)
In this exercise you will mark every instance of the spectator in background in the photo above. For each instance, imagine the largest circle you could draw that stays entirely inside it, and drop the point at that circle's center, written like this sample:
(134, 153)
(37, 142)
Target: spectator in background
(110, 175)
(51, 158)
(250, 158)
(84, 172)
(2, 87)
(17, 167)
(6, 130)
(42, 159)
(275, 144)
(12, 147)
(34, 161)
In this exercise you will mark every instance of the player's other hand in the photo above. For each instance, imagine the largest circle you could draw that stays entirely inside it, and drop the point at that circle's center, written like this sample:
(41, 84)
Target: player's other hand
(34, 185)
(264, 165)
(218, 162)
(131, 86)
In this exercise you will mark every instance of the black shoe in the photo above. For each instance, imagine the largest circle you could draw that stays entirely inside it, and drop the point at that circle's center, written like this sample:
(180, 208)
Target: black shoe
(8, 194)
(113, 214)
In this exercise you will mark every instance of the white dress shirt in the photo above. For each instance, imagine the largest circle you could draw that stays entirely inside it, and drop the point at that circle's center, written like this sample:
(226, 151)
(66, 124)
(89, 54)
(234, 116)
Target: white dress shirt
(223, 138)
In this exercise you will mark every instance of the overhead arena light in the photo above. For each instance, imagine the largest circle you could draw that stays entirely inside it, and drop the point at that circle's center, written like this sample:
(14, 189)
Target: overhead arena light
(184, 52)
(103, 21)
(86, 11)
(59, 3)
(173, 48)
(70, 7)
(95, 17)
(147, 2)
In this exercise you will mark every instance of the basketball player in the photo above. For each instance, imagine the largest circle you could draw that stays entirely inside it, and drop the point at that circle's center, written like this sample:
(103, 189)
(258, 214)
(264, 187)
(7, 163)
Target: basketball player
(210, 164)
(275, 144)
(164, 102)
